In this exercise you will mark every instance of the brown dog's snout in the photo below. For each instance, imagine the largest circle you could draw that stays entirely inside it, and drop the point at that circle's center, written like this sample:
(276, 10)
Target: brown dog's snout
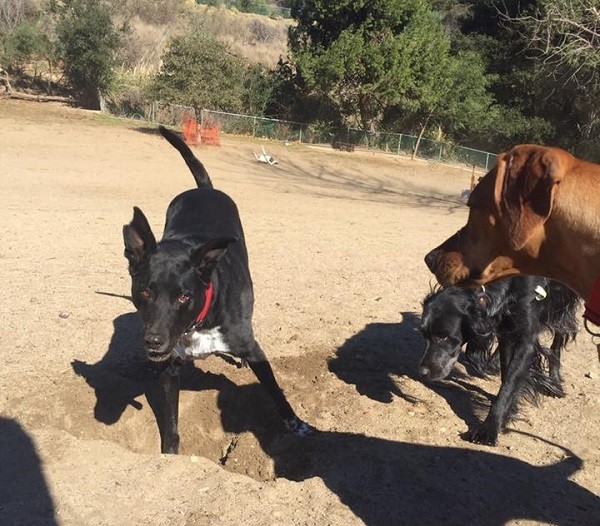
(431, 259)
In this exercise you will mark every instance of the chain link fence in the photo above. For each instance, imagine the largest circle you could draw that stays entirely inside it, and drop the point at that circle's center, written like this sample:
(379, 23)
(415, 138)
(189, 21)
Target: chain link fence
(290, 131)
(396, 143)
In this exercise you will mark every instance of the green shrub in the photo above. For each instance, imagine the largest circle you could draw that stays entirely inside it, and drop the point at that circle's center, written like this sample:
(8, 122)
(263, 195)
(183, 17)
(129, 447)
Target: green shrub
(87, 43)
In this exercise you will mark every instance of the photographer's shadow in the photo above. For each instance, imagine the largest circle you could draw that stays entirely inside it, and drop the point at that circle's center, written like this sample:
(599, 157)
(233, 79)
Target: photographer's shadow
(376, 359)
(25, 497)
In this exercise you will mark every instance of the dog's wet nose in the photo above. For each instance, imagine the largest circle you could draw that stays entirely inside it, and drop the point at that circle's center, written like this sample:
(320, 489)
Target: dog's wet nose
(153, 341)
(431, 258)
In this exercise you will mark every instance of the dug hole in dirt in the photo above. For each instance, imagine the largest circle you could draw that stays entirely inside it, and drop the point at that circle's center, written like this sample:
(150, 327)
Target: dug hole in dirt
(336, 241)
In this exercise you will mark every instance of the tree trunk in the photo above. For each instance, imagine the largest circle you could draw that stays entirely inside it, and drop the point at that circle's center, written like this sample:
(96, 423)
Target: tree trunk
(421, 133)
(12, 94)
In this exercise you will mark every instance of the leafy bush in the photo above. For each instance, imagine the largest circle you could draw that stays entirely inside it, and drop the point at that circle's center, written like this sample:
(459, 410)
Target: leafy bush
(87, 43)
(24, 43)
(199, 71)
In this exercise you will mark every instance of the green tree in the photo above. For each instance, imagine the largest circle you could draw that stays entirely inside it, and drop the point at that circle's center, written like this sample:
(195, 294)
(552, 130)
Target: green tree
(516, 82)
(21, 45)
(565, 34)
(543, 58)
(453, 97)
(199, 71)
(87, 42)
(366, 56)
(259, 85)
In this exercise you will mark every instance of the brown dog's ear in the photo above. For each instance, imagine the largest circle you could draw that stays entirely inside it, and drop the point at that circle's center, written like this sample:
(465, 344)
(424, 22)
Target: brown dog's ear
(138, 237)
(526, 179)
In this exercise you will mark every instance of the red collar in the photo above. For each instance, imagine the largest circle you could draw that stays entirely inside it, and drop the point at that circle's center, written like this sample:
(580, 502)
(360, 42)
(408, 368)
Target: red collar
(592, 305)
(208, 296)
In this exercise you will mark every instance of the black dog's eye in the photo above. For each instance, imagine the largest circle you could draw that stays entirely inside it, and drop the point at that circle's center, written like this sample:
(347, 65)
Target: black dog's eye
(146, 294)
(183, 298)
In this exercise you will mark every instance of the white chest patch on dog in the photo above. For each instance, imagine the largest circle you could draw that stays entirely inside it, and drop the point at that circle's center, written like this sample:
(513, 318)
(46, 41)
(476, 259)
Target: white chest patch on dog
(200, 344)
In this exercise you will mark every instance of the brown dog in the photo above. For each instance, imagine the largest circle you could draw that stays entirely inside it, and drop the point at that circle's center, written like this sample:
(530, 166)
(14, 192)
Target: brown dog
(536, 212)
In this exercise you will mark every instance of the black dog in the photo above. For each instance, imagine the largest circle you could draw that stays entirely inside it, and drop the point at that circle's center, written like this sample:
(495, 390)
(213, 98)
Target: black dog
(194, 292)
(515, 311)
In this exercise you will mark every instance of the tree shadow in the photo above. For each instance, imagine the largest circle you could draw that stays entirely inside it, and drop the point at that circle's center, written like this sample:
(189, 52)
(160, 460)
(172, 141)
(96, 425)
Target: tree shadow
(319, 178)
(147, 130)
(24, 494)
(386, 482)
(375, 359)
(323, 178)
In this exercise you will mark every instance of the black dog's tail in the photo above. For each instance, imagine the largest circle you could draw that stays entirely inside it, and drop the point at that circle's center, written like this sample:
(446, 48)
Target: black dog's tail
(196, 167)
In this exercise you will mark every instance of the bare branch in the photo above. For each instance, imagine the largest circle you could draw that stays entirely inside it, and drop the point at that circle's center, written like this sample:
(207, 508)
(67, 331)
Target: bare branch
(12, 13)
(566, 33)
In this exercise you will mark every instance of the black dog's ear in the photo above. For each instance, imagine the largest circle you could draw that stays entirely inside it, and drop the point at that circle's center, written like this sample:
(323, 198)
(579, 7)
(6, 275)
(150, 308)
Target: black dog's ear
(138, 237)
(206, 257)
(476, 324)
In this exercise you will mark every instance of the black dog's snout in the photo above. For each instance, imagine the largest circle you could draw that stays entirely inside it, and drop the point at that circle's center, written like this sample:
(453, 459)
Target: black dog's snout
(153, 341)
(431, 258)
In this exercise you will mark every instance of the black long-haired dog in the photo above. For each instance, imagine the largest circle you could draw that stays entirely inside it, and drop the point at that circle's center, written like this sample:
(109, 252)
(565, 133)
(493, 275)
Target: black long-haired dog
(514, 312)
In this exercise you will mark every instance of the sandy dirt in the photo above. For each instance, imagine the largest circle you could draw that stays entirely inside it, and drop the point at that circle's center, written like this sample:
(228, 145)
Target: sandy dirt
(336, 242)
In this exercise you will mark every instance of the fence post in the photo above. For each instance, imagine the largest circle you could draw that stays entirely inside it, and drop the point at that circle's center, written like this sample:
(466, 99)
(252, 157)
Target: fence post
(399, 143)
(487, 160)
(300, 135)
(254, 127)
(440, 155)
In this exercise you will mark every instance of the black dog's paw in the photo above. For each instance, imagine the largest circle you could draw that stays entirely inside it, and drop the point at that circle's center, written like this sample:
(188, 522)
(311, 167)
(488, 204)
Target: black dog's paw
(299, 428)
(482, 435)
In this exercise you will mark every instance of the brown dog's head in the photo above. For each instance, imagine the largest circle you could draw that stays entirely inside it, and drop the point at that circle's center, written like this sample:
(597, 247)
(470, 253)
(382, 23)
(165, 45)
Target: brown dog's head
(508, 210)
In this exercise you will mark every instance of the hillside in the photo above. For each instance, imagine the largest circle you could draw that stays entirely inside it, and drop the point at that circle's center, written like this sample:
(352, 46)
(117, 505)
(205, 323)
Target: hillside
(254, 37)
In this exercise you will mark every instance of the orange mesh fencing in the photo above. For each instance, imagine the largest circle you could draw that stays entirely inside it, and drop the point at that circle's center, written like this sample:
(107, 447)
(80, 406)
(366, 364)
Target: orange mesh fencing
(210, 133)
(193, 133)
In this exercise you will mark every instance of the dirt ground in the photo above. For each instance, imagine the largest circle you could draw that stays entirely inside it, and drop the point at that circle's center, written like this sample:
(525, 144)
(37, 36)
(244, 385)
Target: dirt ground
(336, 242)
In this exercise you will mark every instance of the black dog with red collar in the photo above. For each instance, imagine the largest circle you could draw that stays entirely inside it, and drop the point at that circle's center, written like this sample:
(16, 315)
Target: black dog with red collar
(194, 293)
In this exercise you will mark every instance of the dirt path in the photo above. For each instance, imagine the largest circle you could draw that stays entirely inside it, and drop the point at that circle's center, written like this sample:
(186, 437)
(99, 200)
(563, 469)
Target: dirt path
(336, 243)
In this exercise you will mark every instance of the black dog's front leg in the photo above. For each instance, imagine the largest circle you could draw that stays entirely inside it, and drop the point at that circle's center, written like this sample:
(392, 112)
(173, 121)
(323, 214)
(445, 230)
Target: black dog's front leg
(262, 369)
(558, 343)
(515, 361)
(163, 397)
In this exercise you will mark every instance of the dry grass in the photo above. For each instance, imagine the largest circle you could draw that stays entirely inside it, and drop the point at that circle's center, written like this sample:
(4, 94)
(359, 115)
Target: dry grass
(257, 38)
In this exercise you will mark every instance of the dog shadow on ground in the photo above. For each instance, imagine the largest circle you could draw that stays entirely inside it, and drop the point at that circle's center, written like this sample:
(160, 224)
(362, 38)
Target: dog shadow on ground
(376, 359)
(381, 481)
(124, 373)
(391, 482)
(24, 494)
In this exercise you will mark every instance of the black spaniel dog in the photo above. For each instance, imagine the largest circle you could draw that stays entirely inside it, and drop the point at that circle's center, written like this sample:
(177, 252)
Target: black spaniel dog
(514, 312)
